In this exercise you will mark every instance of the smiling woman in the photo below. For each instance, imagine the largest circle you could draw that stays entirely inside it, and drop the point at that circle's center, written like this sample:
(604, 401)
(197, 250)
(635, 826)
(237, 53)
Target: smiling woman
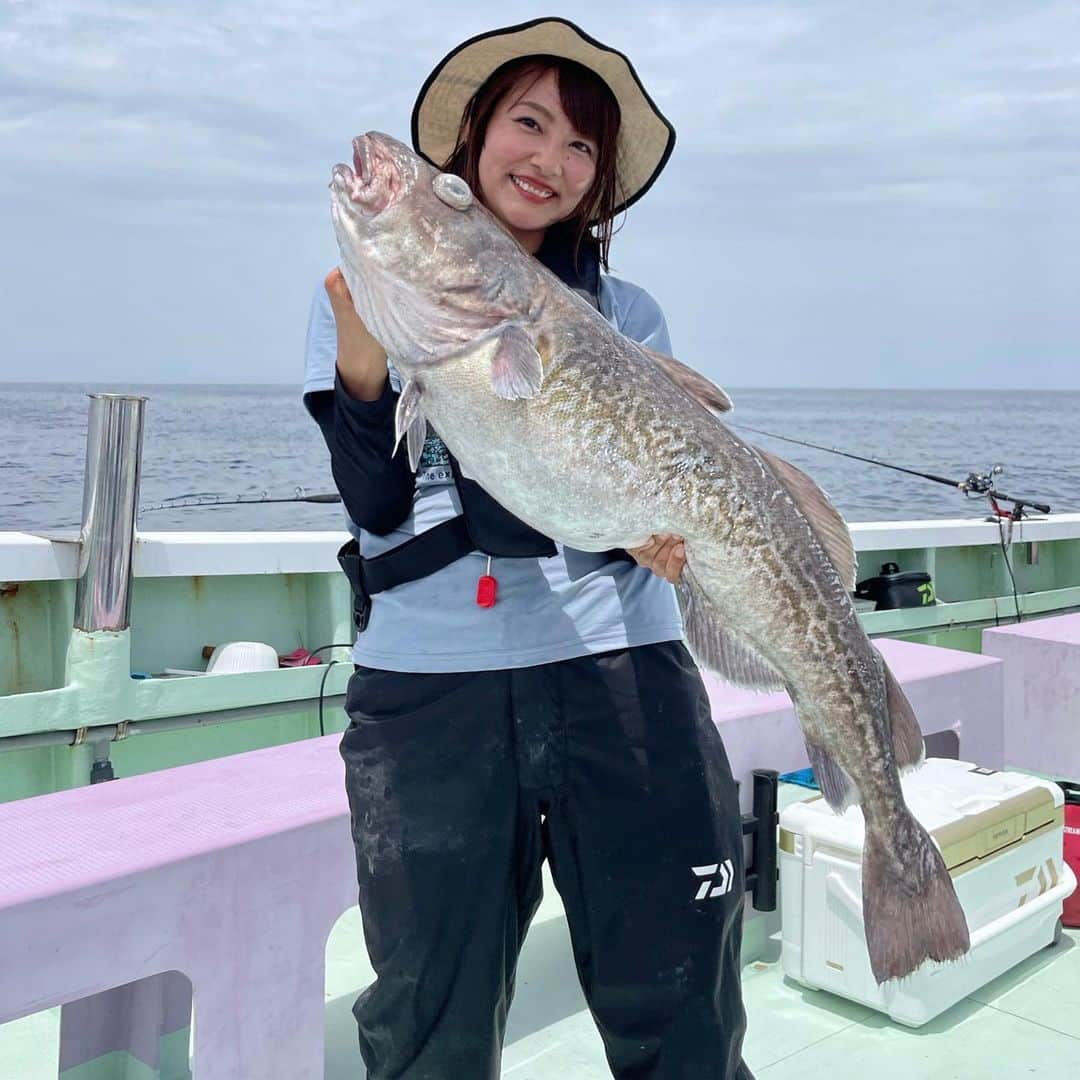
(522, 700)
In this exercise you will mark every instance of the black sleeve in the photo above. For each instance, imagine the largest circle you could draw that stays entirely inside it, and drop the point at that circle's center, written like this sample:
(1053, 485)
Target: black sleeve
(376, 488)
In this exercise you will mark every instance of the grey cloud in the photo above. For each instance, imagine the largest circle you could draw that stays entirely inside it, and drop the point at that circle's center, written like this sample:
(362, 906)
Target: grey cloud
(850, 178)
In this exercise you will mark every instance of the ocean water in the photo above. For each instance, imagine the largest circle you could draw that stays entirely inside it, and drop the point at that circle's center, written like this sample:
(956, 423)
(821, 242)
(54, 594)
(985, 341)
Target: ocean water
(243, 441)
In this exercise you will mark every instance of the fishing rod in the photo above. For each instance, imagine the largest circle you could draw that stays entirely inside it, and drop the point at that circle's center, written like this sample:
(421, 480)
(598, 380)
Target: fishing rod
(973, 485)
(180, 502)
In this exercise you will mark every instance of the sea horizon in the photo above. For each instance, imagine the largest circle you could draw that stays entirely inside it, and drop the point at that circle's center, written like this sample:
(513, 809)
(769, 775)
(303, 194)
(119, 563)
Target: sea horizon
(232, 440)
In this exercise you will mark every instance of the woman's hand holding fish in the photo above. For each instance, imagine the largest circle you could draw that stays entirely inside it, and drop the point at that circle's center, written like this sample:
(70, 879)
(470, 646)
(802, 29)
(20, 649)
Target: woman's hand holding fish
(361, 360)
(664, 555)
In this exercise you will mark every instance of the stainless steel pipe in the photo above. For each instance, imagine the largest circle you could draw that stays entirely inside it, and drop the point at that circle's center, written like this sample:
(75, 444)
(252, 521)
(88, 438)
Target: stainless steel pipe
(110, 503)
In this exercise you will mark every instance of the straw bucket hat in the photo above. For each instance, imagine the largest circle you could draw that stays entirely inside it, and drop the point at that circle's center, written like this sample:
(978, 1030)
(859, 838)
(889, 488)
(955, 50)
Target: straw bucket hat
(646, 138)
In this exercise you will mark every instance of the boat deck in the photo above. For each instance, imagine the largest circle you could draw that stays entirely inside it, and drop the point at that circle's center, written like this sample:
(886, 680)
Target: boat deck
(1027, 1022)
(1024, 1023)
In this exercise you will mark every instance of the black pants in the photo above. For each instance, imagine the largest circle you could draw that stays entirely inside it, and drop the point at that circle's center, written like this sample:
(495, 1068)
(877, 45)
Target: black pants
(609, 766)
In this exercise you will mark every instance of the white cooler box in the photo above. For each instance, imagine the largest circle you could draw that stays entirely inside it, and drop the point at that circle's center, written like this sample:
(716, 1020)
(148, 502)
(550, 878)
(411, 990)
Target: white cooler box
(1001, 835)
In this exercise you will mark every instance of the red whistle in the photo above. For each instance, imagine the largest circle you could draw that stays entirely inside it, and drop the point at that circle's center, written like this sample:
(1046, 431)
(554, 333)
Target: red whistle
(486, 588)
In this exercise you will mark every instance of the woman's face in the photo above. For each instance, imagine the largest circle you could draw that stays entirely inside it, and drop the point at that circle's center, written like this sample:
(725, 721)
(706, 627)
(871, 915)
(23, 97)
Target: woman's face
(535, 168)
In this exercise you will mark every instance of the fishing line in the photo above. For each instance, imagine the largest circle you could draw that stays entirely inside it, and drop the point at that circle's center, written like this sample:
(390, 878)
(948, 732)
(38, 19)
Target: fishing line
(1005, 545)
(848, 454)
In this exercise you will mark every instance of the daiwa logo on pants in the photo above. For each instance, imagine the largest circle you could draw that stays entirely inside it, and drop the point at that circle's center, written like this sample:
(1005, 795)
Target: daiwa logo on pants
(722, 874)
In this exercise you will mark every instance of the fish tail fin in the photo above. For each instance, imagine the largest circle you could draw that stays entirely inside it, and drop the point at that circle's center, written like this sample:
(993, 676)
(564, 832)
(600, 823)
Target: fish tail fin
(911, 911)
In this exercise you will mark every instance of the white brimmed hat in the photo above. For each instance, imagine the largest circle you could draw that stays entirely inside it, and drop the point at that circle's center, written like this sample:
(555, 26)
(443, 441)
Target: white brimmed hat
(646, 138)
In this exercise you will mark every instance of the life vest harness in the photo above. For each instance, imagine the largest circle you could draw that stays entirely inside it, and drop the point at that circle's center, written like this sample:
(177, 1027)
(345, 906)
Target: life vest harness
(416, 558)
(483, 525)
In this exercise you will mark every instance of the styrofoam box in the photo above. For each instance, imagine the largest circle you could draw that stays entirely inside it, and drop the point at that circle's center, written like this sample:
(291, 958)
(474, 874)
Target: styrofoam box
(1001, 835)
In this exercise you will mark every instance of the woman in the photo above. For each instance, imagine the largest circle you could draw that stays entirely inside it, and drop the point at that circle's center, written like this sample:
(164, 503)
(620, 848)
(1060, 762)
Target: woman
(561, 717)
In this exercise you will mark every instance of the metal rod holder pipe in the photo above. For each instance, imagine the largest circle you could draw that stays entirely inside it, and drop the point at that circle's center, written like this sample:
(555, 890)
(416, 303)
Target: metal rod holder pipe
(110, 503)
(760, 826)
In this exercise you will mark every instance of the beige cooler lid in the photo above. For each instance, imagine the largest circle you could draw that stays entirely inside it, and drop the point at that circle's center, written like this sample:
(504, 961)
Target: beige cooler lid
(965, 843)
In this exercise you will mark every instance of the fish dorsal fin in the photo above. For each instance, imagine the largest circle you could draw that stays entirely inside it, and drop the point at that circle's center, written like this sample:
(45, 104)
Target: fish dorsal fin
(703, 391)
(824, 518)
(517, 370)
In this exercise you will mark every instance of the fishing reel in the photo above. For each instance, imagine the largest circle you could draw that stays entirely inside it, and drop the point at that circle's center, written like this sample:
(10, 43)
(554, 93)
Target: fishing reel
(981, 485)
(978, 484)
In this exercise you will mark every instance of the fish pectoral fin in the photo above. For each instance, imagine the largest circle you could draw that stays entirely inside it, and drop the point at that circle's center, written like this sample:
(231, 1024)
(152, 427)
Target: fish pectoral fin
(825, 521)
(516, 371)
(835, 784)
(410, 422)
(715, 647)
(704, 391)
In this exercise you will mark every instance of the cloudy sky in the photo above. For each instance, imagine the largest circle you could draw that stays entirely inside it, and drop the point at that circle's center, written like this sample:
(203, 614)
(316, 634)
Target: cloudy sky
(862, 194)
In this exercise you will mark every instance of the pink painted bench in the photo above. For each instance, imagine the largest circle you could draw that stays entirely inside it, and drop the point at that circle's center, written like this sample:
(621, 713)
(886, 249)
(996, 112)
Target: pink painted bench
(232, 872)
(1042, 693)
(950, 691)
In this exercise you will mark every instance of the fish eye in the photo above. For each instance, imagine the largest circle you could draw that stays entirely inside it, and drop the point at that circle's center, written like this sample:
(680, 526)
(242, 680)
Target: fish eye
(453, 191)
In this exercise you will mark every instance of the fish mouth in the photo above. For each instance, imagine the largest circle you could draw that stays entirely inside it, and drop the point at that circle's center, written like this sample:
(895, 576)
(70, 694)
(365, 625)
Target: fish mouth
(372, 184)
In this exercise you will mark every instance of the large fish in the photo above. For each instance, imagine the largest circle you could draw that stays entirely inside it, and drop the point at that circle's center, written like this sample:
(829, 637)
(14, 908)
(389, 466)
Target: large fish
(600, 443)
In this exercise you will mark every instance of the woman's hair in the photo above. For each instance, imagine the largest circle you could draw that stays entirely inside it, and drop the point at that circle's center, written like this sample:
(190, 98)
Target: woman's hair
(592, 109)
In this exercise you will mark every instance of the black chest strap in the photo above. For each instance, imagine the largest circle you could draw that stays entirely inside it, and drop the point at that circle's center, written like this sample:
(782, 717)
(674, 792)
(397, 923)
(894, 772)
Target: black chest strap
(416, 558)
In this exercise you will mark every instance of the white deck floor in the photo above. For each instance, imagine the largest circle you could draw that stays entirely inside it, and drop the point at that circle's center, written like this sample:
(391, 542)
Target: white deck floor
(1026, 1023)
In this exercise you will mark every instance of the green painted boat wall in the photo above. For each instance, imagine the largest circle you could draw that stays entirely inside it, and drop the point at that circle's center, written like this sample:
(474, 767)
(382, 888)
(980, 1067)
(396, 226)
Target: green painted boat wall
(974, 571)
(974, 589)
(172, 619)
(35, 623)
(52, 678)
